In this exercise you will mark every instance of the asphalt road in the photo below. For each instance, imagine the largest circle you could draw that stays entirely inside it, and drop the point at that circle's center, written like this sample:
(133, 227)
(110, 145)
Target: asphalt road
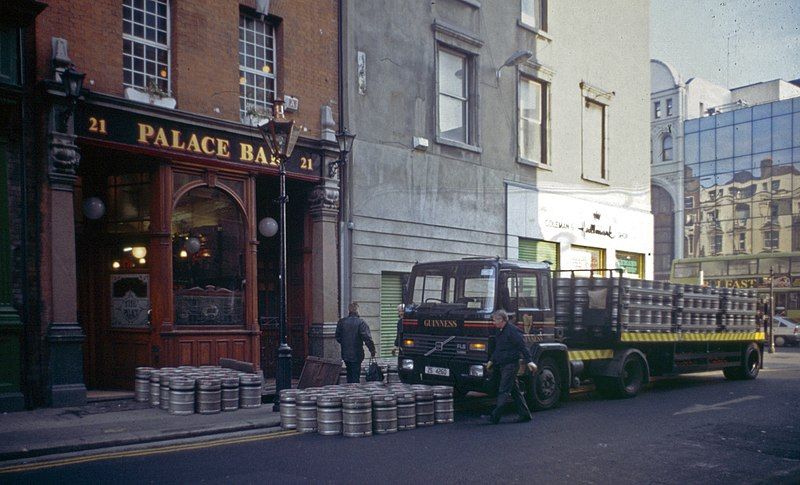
(692, 429)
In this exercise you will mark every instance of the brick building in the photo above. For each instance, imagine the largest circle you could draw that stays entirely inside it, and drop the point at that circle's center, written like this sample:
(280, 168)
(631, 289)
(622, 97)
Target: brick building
(150, 186)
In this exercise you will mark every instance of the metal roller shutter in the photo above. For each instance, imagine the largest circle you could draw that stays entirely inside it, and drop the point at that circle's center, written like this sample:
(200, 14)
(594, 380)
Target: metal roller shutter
(391, 296)
(535, 250)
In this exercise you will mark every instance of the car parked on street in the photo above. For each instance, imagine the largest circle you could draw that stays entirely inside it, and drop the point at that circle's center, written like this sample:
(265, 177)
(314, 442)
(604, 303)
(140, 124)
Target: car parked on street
(787, 331)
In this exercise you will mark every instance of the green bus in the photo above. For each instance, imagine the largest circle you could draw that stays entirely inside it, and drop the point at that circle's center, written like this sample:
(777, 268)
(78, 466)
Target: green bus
(750, 271)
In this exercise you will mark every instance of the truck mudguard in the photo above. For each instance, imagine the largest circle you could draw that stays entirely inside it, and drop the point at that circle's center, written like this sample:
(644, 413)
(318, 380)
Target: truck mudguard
(613, 367)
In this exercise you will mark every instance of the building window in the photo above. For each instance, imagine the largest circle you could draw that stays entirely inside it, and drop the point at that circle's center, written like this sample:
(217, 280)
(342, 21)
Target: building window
(717, 243)
(688, 202)
(669, 106)
(771, 239)
(631, 264)
(9, 56)
(532, 137)
(454, 96)
(256, 66)
(742, 243)
(657, 109)
(582, 257)
(594, 140)
(534, 13)
(208, 257)
(145, 57)
(776, 185)
(666, 148)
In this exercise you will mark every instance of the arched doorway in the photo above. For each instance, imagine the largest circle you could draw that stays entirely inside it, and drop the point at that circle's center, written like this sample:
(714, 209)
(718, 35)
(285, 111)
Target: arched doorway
(664, 231)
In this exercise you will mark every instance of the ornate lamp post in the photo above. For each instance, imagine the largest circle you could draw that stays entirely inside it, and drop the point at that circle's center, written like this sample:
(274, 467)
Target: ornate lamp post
(345, 140)
(280, 136)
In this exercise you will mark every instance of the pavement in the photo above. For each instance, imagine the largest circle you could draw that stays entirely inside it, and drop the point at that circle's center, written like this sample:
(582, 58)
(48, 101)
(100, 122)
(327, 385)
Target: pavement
(124, 422)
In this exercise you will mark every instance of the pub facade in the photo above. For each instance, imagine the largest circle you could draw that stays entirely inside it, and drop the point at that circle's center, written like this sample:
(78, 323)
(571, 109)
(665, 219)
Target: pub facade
(155, 181)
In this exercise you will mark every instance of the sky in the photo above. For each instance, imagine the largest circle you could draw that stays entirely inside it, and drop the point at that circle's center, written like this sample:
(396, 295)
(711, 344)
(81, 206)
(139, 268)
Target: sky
(728, 42)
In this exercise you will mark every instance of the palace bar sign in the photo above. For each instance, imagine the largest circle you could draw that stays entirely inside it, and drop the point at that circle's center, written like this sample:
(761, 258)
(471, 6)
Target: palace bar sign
(114, 126)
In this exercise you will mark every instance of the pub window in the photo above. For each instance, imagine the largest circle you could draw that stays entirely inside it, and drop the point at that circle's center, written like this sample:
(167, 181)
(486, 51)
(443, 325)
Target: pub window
(146, 45)
(256, 66)
(534, 14)
(455, 103)
(208, 258)
(594, 140)
(9, 55)
(532, 123)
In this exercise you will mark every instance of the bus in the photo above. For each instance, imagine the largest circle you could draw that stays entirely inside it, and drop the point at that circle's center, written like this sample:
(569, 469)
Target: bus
(747, 271)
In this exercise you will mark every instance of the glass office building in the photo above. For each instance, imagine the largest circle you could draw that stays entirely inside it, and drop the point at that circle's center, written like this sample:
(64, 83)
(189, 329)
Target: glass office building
(742, 181)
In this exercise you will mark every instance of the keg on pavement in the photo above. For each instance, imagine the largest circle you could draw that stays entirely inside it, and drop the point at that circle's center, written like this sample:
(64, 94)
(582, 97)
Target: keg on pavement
(230, 393)
(329, 414)
(142, 385)
(209, 395)
(164, 383)
(443, 404)
(155, 388)
(357, 415)
(384, 413)
(392, 377)
(249, 391)
(424, 405)
(306, 412)
(288, 408)
(181, 396)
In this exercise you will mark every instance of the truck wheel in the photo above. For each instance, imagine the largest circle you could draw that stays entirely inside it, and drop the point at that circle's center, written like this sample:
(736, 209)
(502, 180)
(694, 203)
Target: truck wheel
(627, 384)
(780, 341)
(543, 390)
(748, 368)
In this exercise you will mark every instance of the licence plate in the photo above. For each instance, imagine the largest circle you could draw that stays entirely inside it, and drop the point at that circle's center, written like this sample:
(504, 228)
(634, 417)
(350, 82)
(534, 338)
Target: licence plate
(437, 371)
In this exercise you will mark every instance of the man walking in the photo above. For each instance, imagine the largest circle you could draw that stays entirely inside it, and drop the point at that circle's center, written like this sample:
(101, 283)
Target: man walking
(352, 333)
(508, 345)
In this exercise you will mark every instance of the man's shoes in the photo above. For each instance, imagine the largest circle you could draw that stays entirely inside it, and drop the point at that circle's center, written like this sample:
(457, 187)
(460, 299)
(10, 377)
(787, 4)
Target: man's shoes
(524, 419)
(491, 418)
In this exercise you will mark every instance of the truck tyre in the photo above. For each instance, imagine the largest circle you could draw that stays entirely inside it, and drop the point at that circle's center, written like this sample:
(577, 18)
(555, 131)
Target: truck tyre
(627, 384)
(543, 389)
(780, 342)
(749, 366)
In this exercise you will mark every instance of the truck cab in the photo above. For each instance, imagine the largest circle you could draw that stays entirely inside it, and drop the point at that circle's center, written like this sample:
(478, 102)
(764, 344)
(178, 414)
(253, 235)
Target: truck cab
(448, 333)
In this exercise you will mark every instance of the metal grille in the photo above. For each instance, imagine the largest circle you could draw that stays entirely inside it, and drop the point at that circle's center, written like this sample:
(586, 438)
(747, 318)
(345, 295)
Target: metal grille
(391, 296)
(145, 56)
(256, 66)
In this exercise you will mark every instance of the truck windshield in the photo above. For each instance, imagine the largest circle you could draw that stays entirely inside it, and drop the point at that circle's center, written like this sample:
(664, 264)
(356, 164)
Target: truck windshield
(468, 286)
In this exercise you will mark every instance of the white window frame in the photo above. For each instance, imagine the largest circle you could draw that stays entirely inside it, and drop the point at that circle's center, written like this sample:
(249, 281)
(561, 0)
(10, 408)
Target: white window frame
(542, 121)
(465, 100)
(134, 39)
(539, 24)
(246, 103)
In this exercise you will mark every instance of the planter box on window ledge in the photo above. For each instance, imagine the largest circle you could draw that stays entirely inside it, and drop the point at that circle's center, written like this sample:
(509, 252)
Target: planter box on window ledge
(144, 97)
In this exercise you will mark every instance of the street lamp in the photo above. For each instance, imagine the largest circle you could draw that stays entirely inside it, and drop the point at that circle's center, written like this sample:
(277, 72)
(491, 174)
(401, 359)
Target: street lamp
(73, 83)
(280, 136)
(345, 140)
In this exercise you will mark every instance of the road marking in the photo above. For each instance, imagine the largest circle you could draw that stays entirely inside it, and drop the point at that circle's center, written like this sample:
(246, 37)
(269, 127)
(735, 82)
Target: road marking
(699, 408)
(149, 451)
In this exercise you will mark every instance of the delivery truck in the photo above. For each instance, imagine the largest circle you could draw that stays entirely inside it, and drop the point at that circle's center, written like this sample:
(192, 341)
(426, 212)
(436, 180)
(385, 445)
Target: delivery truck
(581, 326)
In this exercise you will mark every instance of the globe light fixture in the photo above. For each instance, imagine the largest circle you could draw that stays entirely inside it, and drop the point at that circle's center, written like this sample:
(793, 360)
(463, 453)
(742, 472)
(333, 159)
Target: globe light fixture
(93, 208)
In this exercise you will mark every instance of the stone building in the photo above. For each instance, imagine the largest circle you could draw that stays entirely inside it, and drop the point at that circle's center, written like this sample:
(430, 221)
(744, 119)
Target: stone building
(493, 128)
(726, 182)
(152, 179)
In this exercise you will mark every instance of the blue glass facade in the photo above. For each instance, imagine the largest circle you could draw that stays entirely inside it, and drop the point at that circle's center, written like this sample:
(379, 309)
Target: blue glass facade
(742, 181)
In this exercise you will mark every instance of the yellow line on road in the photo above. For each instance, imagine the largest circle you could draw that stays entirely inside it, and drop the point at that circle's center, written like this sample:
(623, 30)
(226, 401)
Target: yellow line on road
(150, 451)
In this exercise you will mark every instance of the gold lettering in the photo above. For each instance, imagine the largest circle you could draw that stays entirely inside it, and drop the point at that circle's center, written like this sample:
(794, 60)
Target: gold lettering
(194, 145)
(222, 148)
(208, 145)
(246, 150)
(161, 139)
(145, 132)
(177, 143)
(261, 157)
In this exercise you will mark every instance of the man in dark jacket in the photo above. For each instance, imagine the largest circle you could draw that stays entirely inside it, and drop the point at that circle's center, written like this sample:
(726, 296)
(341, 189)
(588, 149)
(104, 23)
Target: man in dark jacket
(352, 333)
(508, 345)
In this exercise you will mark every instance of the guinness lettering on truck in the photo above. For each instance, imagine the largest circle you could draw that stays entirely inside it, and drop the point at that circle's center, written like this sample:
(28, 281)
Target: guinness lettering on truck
(581, 326)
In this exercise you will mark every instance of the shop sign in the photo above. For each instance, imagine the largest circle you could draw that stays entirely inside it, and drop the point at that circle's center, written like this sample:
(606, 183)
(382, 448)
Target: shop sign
(172, 137)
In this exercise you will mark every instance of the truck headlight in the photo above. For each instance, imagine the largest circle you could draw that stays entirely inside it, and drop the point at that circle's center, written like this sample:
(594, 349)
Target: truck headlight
(407, 364)
(476, 371)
